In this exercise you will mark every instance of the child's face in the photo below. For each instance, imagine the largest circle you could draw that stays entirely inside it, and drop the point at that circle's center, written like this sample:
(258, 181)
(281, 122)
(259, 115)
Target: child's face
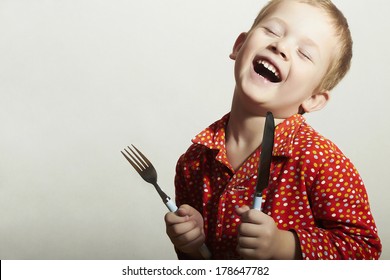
(281, 63)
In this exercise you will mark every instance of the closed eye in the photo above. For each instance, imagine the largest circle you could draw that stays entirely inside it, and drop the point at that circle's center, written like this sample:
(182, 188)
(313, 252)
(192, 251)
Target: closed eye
(271, 31)
(305, 54)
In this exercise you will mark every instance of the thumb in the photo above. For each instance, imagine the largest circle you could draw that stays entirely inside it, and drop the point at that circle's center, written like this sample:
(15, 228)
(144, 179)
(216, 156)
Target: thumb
(184, 210)
(242, 210)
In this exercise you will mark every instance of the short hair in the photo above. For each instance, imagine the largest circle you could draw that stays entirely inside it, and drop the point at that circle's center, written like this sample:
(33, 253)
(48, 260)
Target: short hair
(340, 64)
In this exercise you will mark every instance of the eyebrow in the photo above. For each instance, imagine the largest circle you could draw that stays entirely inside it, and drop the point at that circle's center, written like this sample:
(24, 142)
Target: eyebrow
(309, 42)
(305, 40)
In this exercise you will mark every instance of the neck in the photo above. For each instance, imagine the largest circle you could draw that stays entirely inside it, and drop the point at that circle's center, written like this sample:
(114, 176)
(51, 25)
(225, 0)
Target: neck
(245, 130)
(245, 127)
(244, 133)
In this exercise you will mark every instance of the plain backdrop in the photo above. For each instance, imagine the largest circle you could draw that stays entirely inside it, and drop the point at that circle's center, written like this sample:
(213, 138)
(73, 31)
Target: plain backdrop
(82, 79)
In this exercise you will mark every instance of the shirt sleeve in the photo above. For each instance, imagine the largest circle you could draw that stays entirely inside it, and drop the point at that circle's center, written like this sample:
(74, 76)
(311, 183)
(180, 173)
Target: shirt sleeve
(188, 179)
(182, 195)
(345, 228)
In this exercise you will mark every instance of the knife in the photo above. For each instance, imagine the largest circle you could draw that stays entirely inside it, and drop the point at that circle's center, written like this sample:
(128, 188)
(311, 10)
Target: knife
(265, 159)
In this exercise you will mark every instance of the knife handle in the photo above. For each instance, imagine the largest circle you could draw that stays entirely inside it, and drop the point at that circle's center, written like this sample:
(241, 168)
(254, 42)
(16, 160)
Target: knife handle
(257, 202)
(204, 251)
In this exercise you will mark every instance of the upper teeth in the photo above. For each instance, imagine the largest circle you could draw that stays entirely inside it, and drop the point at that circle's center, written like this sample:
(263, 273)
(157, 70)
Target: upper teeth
(269, 66)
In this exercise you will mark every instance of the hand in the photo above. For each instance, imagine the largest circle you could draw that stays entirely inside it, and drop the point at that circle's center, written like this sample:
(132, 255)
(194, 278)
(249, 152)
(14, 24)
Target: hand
(259, 237)
(185, 229)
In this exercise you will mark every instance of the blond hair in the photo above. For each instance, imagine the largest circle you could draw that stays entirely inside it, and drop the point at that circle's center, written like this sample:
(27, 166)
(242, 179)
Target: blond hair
(342, 62)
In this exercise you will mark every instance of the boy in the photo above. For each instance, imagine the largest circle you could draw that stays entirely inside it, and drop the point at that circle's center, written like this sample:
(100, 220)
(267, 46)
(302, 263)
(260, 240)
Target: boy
(315, 206)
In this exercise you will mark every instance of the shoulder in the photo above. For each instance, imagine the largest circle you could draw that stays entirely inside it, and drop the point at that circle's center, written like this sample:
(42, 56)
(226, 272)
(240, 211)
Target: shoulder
(193, 158)
(308, 139)
(295, 138)
(320, 155)
(193, 153)
(205, 144)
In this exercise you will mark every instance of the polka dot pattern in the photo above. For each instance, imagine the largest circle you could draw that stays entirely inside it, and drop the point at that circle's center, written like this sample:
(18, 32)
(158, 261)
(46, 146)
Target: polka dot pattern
(314, 190)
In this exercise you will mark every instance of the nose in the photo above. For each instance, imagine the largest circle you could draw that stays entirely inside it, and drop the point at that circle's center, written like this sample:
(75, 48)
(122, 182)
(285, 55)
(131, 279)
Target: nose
(280, 49)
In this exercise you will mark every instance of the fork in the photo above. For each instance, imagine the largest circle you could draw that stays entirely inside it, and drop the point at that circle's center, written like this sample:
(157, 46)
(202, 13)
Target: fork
(147, 171)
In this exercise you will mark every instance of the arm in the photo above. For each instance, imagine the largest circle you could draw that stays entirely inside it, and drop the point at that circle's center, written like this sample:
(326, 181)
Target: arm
(345, 228)
(342, 227)
(185, 226)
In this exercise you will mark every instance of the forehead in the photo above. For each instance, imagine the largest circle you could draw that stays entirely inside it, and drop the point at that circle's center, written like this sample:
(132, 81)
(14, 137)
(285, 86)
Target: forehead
(304, 21)
(302, 16)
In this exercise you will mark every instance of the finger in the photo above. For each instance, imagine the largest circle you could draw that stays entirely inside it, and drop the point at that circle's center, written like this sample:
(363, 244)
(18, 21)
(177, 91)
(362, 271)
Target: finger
(183, 210)
(172, 219)
(178, 229)
(247, 242)
(189, 238)
(186, 209)
(252, 216)
(193, 244)
(246, 253)
(249, 230)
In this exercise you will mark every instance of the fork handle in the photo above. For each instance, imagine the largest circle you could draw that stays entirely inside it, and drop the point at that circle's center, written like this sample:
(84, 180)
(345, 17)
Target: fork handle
(171, 205)
(205, 252)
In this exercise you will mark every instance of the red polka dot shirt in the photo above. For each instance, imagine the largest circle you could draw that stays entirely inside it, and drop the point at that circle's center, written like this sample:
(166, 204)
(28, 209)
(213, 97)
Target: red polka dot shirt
(314, 191)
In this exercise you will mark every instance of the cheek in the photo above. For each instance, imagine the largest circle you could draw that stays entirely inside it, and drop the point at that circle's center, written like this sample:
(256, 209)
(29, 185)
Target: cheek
(242, 63)
(308, 78)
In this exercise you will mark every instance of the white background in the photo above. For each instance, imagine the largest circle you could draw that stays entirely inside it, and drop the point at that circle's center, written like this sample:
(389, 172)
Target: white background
(81, 79)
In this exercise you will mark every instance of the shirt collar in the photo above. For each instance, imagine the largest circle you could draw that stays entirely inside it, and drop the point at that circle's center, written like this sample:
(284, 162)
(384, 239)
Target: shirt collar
(285, 134)
(213, 136)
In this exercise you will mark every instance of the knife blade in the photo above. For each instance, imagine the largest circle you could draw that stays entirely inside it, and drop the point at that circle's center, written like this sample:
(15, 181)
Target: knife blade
(265, 159)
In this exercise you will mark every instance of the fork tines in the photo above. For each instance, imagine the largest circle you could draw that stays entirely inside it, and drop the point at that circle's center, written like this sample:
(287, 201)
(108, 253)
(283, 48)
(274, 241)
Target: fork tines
(136, 159)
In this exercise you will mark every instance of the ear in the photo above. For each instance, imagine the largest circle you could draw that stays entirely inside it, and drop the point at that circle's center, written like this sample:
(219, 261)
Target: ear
(237, 45)
(316, 101)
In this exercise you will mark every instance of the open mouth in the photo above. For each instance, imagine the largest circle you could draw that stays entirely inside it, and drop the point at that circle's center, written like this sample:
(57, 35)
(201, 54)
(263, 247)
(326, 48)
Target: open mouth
(267, 70)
